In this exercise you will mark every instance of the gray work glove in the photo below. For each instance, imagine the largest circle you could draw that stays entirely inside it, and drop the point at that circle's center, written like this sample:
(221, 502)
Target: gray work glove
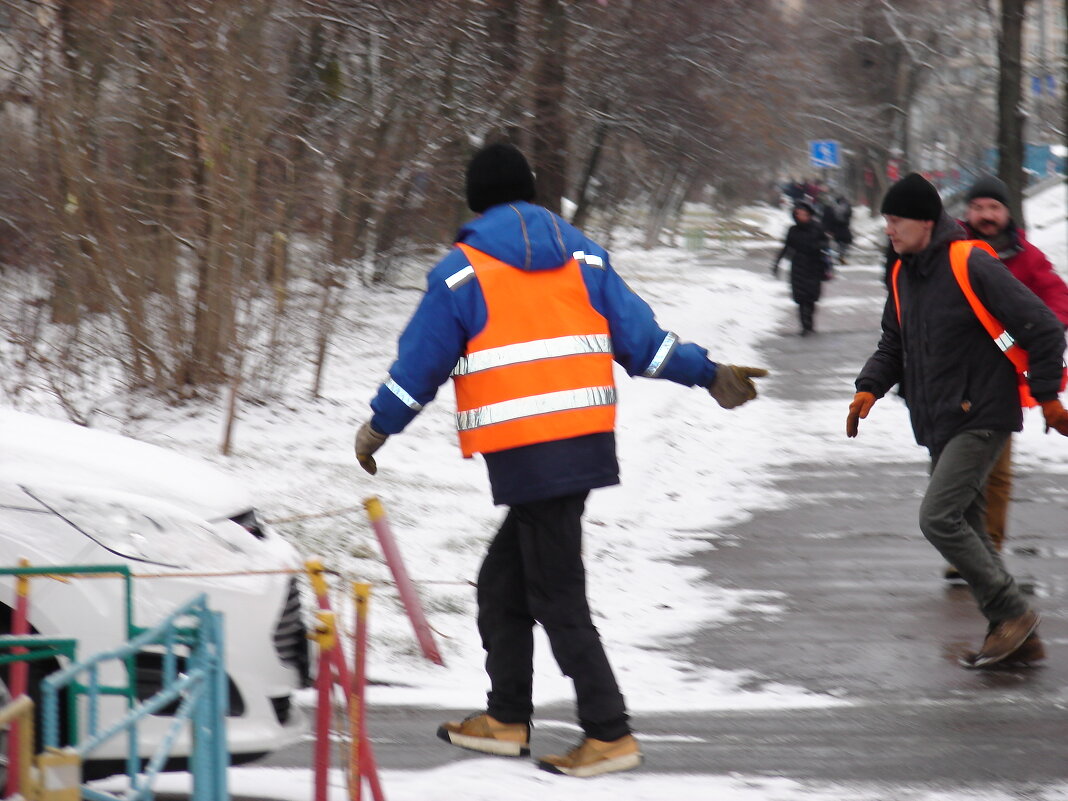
(734, 385)
(368, 440)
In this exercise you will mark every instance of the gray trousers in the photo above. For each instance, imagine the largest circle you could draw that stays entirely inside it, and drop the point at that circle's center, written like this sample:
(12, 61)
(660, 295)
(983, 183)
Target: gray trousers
(953, 519)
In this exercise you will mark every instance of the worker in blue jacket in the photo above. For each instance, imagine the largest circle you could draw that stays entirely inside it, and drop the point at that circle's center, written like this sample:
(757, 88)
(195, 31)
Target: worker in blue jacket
(527, 315)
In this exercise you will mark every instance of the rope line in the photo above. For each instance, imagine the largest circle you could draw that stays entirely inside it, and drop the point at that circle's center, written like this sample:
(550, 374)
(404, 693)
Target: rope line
(274, 521)
(282, 571)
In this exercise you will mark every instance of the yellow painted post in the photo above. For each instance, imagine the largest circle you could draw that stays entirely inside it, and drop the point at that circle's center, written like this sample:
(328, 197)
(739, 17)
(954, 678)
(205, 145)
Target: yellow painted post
(317, 577)
(61, 774)
(29, 781)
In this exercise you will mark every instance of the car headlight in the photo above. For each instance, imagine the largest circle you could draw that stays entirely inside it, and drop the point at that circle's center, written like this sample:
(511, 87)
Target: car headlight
(139, 528)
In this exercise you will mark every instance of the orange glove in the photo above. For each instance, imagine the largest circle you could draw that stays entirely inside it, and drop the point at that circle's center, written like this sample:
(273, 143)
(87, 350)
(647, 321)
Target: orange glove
(858, 410)
(1056, 416)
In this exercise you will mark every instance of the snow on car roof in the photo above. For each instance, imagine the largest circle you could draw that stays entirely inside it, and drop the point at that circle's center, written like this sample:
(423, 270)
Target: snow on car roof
(39, 449)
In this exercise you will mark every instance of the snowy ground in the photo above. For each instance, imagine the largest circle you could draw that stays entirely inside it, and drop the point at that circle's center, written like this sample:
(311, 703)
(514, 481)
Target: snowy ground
(689, 469)
(517, 780)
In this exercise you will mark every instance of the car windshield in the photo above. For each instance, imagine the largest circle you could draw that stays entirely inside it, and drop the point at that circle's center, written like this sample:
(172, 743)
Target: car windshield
(141, 529)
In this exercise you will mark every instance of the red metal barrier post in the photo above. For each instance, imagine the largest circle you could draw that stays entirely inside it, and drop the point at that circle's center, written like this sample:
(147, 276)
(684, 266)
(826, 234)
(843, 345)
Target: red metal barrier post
(20, 626)
(377, 513)
(361, 756)
(326, 636)
(332, 671)
(317, 577)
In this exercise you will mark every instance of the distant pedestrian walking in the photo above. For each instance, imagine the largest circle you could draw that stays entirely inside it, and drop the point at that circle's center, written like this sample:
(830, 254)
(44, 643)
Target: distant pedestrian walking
(527, 315)
(794, 191)
(806, 248)
(962, 393)
(837, 221)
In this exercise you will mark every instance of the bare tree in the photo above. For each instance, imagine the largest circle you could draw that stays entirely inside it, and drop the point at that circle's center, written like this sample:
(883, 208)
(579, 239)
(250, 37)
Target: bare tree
(207, 185)
(1010, 104)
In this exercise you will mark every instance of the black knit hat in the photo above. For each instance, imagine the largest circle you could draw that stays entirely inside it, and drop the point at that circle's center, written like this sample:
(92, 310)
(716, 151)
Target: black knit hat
(913, 197)
(498, 173)
(989, 186)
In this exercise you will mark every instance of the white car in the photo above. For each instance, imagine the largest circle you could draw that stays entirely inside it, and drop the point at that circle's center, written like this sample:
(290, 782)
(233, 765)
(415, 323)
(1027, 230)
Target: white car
(70, 495)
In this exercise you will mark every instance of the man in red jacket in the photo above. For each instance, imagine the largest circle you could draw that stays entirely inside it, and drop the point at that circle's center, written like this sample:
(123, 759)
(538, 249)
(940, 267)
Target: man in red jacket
(987, 217)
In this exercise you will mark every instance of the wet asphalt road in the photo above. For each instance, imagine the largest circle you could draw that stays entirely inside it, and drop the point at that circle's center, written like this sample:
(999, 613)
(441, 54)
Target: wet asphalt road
(867, 617)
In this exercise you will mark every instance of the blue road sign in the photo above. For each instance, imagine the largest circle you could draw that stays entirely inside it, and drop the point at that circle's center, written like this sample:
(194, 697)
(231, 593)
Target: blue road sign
(823, 153)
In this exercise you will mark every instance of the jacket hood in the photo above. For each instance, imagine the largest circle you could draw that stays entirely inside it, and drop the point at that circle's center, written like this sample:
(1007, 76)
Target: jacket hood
(946, 230)
(524, 235)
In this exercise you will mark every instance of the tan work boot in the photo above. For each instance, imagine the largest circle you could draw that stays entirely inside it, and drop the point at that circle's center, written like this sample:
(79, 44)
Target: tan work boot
(1003, 639)
(594, 757)
(480, 732)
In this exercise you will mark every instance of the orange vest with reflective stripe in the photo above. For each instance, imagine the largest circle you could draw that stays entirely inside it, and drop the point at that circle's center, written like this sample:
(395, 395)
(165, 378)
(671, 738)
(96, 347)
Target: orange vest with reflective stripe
(958, 262)
(541, 369)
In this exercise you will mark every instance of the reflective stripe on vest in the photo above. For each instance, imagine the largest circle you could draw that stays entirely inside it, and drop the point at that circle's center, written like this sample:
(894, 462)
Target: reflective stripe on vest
(959, 252)
(532, 351)
(541, 369)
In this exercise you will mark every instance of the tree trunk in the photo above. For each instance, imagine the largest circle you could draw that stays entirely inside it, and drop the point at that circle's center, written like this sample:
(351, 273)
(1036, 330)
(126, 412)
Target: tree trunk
(503, 46)
(902, 97)
(1010, 105)
(550, 127)
(660, 206)
(582, 199)
(213, 315)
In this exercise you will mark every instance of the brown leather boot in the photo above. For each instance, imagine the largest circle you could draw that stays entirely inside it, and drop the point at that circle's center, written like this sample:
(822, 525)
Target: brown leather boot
(1027, 655)
(1003, 639)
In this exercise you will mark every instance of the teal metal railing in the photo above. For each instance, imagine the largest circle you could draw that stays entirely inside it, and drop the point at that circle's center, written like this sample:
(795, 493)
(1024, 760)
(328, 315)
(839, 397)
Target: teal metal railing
(37, 647)
(200, 690)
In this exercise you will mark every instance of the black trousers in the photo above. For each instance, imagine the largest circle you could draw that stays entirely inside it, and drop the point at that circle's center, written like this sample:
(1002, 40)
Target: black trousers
(533, 572)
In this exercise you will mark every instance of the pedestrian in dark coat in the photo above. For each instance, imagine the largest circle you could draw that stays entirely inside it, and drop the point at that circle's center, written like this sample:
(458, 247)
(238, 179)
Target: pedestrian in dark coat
(962, 394)
(806, 245)
(838, 220)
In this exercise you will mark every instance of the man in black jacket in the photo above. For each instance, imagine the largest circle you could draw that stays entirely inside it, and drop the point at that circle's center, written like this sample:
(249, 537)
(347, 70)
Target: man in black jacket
(962, 394)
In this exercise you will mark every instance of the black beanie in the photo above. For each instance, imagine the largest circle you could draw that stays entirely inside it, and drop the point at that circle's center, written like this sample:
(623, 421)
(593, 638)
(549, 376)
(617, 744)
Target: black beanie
(498, 173)
(913, 197)
(989, 186)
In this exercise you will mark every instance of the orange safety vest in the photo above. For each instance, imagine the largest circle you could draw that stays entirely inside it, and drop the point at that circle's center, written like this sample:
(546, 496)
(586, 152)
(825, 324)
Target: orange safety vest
(958, 261)
(541, 369)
